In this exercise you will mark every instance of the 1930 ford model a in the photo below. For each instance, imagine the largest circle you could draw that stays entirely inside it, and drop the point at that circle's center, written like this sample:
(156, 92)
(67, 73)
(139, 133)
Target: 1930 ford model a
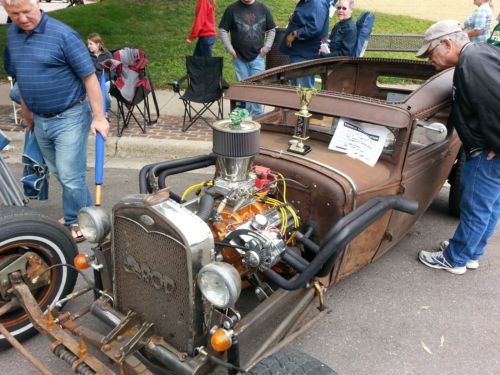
(280, 225)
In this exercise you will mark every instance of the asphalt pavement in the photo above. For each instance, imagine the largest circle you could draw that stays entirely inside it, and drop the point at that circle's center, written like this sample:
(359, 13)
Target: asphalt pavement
(394, 317)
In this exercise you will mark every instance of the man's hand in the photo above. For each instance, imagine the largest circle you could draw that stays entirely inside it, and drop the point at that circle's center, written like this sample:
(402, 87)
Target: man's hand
(27, 115)
(491, 155)
(30, 124)
(290, 38)
(99, 122)
(100, 125)
(262, 52)
(188, 41)
(233, 54)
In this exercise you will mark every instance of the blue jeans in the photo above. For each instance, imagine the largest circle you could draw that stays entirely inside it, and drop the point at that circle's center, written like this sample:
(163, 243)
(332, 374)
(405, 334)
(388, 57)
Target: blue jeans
(479, 209)
(63, 142)
(306, 82)
(245, 69)
(204, 46)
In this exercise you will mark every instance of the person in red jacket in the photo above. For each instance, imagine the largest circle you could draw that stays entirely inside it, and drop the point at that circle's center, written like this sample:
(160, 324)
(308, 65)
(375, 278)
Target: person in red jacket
(203, 28)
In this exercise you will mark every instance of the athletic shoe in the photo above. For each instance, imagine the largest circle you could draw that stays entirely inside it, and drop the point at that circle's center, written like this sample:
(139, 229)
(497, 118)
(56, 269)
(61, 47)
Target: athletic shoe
(436, 260)
(472, 264)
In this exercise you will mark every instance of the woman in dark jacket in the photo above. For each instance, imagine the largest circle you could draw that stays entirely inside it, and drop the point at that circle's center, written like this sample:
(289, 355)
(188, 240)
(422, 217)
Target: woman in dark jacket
(344, 34)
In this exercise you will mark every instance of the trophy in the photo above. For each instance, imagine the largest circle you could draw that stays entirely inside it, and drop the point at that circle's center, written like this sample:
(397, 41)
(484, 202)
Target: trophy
(300, 135)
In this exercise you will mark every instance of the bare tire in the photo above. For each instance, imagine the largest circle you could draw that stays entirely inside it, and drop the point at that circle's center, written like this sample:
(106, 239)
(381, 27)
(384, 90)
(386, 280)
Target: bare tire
(22, 230)
(290, 362)
(455, 185)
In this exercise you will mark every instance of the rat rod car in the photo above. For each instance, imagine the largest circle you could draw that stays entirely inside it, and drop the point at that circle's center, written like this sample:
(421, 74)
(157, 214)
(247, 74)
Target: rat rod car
(225, 274)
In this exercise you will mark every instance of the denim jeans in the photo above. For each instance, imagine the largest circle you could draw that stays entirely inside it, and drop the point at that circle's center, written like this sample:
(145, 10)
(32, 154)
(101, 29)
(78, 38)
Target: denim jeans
(204, 46)
(308, 81)
(245, 69)
(63, 142)
(479, 209)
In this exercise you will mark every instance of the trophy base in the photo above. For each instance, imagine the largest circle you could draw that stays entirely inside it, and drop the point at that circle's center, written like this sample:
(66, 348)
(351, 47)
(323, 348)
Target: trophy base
(302, 151)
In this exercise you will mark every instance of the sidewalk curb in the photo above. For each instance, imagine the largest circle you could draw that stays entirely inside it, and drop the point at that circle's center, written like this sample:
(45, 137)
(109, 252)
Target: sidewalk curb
(125, 151)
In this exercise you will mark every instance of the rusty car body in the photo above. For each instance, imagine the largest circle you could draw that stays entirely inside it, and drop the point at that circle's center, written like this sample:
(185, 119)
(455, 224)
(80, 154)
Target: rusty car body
(275, 226)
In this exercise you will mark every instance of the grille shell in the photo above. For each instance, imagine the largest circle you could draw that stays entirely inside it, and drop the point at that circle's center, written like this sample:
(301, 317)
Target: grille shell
(157, 252)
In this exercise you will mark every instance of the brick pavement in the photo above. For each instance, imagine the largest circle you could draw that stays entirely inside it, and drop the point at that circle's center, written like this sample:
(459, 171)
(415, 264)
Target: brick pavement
(167, 127)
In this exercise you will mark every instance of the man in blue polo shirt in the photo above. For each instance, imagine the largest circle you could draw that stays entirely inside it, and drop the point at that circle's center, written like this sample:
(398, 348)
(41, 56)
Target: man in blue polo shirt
(56, 80)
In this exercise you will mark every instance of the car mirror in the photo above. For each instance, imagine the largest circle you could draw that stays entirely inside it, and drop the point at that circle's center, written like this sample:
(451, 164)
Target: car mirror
(435, 132)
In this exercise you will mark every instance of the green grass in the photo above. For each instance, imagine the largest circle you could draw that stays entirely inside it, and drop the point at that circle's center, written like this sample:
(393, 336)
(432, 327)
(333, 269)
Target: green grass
(160, 28)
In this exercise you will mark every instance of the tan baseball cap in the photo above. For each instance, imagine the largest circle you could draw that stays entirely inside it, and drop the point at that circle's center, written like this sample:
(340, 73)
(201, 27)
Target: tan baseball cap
(436, 32)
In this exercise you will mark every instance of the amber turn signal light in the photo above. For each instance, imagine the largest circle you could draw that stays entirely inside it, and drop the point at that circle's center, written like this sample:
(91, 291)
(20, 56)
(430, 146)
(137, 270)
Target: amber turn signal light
(221, 340)
(81, 261)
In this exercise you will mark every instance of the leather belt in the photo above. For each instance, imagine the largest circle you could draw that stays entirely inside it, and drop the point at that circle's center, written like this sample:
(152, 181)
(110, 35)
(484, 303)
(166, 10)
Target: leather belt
(50, 115)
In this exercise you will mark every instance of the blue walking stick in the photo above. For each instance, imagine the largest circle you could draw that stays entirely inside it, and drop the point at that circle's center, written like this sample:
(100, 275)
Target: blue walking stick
(99, 150)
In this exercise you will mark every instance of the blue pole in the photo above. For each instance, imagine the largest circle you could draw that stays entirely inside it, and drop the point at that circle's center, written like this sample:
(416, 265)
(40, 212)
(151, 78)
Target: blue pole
(99, 148)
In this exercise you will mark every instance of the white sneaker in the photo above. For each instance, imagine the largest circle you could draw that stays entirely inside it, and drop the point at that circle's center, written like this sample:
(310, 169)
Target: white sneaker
(472, 264)
(435, 259)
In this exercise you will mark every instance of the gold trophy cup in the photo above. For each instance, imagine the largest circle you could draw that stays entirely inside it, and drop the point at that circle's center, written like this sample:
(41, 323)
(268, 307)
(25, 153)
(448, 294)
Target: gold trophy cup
(300, 135)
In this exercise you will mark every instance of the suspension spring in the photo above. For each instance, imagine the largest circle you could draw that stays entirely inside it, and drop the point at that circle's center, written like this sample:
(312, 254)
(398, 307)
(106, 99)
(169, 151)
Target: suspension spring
(70, 358)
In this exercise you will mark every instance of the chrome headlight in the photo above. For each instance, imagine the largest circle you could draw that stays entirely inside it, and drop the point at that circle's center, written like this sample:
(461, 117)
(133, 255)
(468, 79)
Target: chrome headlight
(94, 223)
(220, 284)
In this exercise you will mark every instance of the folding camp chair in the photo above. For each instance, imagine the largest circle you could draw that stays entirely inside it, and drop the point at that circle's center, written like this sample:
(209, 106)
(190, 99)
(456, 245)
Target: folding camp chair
(205, 86)
(131, 85)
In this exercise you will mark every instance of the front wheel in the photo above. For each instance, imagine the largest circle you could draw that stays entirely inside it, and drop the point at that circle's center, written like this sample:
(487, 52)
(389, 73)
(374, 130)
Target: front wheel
(23, 230)
(290, 362)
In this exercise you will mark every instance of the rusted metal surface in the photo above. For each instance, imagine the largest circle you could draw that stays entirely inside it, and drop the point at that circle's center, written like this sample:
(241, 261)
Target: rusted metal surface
(352, 87)
(328, 103)
(353, 91)
(48, 327)
(6, 307)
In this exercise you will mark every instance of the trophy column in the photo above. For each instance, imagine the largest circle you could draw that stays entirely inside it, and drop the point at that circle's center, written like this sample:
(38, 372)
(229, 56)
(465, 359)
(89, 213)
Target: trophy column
(300, 135)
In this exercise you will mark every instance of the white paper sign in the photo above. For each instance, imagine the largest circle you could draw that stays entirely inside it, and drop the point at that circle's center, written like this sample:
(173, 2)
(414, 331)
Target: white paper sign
(359, 141)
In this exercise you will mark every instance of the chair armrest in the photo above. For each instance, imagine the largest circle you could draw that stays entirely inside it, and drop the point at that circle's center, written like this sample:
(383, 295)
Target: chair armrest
(224, 84)
(176, 85)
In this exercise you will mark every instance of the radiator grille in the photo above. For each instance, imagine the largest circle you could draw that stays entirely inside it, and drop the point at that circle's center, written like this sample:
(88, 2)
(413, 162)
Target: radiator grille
(162, 256)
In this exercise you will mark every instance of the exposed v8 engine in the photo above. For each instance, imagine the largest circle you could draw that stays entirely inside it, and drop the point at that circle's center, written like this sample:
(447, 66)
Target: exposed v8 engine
(249, 223)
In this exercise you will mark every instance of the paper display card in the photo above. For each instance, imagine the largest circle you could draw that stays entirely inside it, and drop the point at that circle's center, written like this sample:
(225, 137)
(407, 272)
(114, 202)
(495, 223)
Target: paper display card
(359, 141)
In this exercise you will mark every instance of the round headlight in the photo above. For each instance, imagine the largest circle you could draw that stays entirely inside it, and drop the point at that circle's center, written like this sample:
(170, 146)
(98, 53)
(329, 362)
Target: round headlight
(220, 284)
(94, 223)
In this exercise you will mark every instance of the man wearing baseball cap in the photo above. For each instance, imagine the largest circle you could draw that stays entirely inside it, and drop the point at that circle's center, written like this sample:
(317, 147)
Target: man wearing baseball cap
(476, 117)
